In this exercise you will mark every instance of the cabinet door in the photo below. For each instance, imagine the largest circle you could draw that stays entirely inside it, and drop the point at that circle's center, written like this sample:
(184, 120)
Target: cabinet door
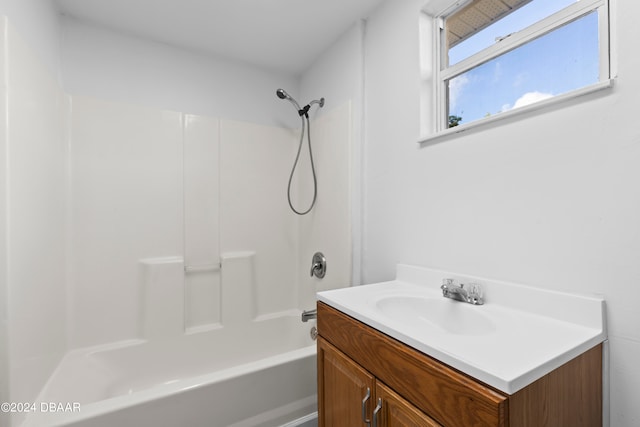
(345, 390)
(397, 412)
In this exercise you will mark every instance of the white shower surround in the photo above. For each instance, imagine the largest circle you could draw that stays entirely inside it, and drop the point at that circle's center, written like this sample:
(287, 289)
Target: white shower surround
(128, 181)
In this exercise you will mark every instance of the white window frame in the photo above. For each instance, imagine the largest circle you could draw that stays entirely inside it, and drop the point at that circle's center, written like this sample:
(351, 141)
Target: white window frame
(443, 73)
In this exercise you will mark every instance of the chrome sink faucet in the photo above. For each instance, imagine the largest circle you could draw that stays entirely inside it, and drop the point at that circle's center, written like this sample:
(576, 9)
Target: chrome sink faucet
(473, 294)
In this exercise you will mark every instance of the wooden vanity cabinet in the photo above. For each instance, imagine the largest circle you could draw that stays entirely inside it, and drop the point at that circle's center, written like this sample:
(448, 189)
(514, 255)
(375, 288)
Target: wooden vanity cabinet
(362, 371)
(351, 395)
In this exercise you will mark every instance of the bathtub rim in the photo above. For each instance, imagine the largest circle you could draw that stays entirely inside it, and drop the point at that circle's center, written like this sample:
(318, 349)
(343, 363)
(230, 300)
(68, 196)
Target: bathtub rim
(116, 403)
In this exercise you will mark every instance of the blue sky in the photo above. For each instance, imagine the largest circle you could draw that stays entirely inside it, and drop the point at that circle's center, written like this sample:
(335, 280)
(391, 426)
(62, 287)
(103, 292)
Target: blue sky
(555, 63)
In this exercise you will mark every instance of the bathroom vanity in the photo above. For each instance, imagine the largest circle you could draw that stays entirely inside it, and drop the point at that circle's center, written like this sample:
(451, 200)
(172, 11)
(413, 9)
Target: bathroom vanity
(399, 354)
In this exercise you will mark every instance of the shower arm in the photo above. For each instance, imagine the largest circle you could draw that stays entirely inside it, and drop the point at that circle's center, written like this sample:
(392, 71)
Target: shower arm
(320, 102)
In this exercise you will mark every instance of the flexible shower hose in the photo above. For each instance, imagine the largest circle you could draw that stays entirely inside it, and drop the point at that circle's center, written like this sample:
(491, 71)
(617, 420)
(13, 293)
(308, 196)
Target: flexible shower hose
(295, 164)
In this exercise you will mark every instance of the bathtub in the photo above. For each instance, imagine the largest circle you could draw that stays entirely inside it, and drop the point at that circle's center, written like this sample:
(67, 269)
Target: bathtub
(262, 375)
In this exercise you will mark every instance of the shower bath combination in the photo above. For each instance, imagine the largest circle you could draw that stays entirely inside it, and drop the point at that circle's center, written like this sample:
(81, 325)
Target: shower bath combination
(303, 112)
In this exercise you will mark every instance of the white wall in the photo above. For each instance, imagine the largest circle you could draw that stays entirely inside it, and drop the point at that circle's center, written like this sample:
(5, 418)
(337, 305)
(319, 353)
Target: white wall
(104, 64)
(391, 129)
(549, 199)
(336, 75)
(34, 210)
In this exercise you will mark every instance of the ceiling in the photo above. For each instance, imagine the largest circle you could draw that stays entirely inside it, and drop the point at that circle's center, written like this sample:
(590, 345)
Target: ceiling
(282, 35)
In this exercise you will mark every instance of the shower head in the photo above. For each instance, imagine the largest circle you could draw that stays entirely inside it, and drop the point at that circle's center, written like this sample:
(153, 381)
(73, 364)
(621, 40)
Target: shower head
(282, 94)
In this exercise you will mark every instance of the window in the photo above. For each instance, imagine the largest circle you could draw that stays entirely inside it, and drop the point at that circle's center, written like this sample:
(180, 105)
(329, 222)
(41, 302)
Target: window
(495, 56)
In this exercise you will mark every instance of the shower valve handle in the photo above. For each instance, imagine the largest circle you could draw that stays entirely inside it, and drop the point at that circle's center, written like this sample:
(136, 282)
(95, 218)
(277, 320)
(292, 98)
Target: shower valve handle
(314, 267)
(318, 265)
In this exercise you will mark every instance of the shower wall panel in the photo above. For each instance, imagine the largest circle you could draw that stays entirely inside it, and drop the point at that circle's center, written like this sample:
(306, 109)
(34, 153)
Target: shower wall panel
(127, 196)
(33, 180)
(254, 170)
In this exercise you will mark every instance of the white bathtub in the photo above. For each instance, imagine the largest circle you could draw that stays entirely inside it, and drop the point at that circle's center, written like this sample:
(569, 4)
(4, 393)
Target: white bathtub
(263, 374)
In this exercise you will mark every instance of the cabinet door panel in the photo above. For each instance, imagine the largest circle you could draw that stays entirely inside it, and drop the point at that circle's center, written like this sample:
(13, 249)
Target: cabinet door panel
(342, 385)
(397, 412)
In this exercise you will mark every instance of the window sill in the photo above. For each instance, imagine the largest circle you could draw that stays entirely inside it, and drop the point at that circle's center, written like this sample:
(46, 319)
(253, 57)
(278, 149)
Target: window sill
(492, 120)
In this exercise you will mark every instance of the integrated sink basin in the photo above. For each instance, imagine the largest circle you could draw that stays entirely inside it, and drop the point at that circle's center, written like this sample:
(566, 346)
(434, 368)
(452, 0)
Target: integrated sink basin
(446, 315)
(517, 336)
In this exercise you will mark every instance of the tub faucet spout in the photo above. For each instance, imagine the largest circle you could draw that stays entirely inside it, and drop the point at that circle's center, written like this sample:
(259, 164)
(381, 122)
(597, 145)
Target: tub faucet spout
(309, 314)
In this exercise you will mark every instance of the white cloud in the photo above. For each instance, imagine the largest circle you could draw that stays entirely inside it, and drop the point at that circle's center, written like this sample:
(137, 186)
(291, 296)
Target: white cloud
(531, 98)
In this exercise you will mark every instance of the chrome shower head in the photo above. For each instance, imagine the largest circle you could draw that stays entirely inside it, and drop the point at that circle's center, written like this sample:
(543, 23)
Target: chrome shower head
(282, 94)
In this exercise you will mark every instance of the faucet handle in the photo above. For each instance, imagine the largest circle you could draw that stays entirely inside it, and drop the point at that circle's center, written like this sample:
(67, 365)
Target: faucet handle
(475, 294)
(318, 265)
(447, 283)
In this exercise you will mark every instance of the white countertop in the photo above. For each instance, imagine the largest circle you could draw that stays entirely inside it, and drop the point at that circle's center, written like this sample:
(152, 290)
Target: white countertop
(519, 335)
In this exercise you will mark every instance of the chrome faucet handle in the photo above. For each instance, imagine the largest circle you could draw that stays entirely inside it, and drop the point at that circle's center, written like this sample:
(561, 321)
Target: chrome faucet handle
(315, 266)
(447, 283)
(475, 294)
